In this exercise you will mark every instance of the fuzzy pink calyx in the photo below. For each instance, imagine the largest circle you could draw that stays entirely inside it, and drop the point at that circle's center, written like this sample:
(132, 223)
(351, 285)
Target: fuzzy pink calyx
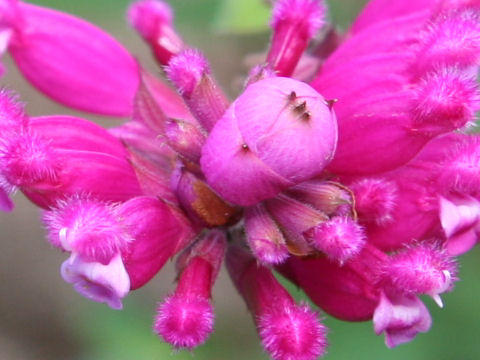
(421, 269)
(153, 20)
(86, 227)
(292, 333)
(189, 71)
(450, 40)
(439, 108)
(340, 238)
(185, 323)
(288, 331)
(375, 199)
(459, 166)
(185, 318)
(294, 23)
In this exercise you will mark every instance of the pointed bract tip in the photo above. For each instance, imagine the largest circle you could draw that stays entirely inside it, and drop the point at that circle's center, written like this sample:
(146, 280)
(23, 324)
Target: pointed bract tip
(340, 238)
(187, 69)
(148, 16)
(184, 322)
(87, 227)
(292, 333)
(307, 13)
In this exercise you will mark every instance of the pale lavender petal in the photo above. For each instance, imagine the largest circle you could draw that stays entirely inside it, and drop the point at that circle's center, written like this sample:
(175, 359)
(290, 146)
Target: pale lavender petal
(5, 203)
(459, 215)
(5, 35)
(101, 283)
(400, 317)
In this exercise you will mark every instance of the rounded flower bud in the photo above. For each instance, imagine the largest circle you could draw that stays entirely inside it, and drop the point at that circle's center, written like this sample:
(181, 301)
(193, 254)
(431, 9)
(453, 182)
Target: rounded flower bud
(278, 133)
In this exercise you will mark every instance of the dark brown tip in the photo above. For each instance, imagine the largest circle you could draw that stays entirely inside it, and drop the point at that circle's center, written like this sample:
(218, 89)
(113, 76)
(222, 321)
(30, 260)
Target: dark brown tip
(330, 103)
(301, 108)
(292, 96)
(306, 116)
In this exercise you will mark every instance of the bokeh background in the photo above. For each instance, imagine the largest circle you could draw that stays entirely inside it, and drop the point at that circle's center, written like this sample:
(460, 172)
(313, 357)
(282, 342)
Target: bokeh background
(41, 317)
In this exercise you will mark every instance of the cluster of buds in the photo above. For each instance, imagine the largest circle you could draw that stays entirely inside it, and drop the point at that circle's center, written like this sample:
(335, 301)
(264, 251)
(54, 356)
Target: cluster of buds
(356, 179)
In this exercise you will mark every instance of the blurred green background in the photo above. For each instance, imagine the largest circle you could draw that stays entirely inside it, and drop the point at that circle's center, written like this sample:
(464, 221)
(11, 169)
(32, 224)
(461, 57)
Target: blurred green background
(42, 318)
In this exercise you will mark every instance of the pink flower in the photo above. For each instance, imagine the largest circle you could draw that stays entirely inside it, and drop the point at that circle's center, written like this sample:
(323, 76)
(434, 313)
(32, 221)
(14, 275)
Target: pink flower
(349, 168)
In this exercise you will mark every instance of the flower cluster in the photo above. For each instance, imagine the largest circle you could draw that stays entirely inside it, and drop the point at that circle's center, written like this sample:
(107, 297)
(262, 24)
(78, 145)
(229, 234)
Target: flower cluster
(346, 164)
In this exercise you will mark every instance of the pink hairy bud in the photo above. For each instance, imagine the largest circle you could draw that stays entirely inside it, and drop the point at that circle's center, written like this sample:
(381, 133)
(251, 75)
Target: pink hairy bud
(264, 237)
(185, 319)
(294, 23)
(190, 73)
(153, 20)
(438, 108)
(185, 323)
(451, 40)
(187, 70)
(375, 200)
(288, 331)
(87, 227)
(292, 332)
(340, 238)
(421, 269)
(278, 133)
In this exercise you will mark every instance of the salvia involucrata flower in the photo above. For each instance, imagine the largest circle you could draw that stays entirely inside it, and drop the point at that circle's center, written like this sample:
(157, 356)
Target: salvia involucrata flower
(355, 176)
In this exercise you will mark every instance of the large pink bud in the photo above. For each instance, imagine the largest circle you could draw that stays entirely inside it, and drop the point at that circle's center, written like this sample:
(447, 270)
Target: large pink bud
(278, 133)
